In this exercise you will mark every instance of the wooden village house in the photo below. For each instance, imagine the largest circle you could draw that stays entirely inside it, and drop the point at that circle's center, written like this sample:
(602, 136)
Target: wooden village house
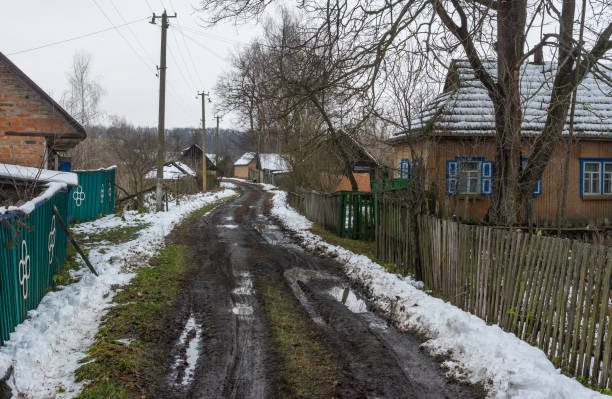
(192, 156)
(453, 141)
(245, 163)
(34, 129)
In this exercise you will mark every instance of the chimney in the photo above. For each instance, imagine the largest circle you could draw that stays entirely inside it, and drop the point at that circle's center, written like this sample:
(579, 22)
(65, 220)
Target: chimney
(538, 56)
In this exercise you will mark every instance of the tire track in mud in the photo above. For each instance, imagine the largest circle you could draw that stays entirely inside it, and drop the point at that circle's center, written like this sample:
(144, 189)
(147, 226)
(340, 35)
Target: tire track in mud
(236, 247)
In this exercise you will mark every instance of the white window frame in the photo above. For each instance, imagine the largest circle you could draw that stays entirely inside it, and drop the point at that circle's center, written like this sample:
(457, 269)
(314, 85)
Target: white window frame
(603, 180)
(589, 176)
(475, 174)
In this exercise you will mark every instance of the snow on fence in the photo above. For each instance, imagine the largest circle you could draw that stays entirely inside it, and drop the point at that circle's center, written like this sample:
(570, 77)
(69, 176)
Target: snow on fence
(94, 196)
(32, 252)
(551, 292)
(349, 214)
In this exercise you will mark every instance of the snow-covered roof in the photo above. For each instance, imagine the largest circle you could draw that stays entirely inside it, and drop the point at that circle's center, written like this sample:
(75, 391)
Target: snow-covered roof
(466, 109)
(212, 158)
(53, 180)
(172, 170)
(273, 162)
(245, 159)
(18, 172)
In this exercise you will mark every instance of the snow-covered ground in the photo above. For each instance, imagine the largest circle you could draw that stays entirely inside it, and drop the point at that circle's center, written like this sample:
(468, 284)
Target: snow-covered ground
(506, 366)
(45, 349)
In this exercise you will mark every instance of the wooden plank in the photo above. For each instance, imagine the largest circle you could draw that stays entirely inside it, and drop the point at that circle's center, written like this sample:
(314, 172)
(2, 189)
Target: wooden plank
(605, 371)
(603, 311)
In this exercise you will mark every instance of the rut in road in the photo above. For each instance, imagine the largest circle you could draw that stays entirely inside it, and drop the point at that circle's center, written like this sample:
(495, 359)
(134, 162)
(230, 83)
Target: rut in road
(237, 247)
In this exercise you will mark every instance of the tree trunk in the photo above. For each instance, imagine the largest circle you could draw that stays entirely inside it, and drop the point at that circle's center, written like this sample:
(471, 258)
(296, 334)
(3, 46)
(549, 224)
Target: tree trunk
(510, 33)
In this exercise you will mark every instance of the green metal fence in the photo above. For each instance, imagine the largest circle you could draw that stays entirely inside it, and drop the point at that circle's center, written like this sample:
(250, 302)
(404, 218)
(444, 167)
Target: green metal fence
(94, 196)
(32, 252)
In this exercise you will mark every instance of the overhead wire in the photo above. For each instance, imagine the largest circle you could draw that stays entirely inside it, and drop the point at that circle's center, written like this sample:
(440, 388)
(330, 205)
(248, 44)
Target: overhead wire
(127, 23)
(138, 42)
(197, 43)
(190, 55)
(123, 36)
(171, 89)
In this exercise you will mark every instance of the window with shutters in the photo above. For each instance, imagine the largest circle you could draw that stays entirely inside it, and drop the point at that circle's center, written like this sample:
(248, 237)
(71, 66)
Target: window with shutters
(404, 169)
(595, 177)
(538, 189)
(469, 176)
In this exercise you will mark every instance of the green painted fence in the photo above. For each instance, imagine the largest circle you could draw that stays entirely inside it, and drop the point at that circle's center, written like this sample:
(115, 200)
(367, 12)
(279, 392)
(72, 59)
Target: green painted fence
(356, 215)
(94, 196)
(32, 252)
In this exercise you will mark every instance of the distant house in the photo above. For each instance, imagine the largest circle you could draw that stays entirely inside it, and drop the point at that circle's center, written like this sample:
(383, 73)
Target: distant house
(365, 167)
(192, 156)
(453, 140)
(34, 129)
(172, 170)
(245, 163)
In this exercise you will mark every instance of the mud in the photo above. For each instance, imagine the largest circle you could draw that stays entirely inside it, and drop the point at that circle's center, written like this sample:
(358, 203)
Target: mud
(235, 360)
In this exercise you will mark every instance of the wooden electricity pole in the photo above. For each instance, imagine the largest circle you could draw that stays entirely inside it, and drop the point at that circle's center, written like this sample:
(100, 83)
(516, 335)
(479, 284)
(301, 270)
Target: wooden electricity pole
(204, 95)
(161, 145)
(217, 147)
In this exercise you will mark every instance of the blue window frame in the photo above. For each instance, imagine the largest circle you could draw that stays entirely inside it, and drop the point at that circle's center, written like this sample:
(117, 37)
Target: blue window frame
(404, 169)
(469, 176)
(595, 176)
(538, 189)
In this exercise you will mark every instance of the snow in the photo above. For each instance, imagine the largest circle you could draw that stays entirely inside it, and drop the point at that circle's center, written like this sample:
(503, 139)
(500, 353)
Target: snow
(469, 109)
(171, 171)
(192, 351)
(29, 206)
(273, 162)
(245, 159)
(476, 352)
(45, 349)
(19, 172)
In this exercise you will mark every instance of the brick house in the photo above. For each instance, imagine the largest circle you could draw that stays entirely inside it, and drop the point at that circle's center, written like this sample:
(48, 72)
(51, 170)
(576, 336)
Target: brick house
(34, 129)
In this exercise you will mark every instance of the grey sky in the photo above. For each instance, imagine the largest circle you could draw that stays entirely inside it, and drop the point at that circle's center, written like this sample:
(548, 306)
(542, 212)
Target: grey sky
(196, 55)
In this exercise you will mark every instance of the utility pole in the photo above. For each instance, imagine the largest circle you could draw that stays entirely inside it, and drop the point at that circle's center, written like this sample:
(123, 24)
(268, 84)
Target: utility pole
(161, 145)
(204, 95)
(217, 147)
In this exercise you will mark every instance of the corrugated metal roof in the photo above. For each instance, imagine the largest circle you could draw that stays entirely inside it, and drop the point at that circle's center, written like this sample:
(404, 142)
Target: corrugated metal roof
(468, 109)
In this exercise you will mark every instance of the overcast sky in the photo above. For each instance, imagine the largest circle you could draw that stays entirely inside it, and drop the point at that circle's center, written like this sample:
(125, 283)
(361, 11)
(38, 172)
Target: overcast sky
(196, 55)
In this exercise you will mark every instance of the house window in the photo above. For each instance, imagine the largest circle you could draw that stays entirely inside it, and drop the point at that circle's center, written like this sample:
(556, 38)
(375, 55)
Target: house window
(591, 178)
(538, 189)
(607, 178)
(404, 169)
(468, 176)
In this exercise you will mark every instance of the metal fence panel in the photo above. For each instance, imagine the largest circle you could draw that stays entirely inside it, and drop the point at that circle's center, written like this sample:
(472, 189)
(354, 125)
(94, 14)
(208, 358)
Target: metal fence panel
(33, 251)
(94, 196)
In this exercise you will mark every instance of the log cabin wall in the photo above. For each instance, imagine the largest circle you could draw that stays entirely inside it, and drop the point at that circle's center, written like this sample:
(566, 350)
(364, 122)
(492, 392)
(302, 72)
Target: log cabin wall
(581, 209)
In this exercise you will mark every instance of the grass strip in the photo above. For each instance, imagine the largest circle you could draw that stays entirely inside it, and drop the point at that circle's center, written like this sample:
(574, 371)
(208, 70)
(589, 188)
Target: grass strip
(305, 367)
(133, 342)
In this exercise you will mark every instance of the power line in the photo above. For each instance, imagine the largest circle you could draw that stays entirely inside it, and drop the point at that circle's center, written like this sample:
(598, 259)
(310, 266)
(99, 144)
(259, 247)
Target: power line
(149, 5)
(138, 42)
(204, 47)
(211, 35)
(122, 36)
(76, 37)
(190, 56)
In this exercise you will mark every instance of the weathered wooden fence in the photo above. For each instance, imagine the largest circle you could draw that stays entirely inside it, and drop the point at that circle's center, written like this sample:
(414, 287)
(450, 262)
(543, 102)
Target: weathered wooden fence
(551, 292)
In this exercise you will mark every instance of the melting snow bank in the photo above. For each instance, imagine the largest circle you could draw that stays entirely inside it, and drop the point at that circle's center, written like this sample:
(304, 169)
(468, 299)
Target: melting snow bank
(506, 366)
(45, 349)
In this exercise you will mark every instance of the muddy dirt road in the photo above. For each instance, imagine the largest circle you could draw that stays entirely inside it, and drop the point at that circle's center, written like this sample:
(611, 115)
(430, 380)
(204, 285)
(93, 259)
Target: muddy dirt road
(226, 350)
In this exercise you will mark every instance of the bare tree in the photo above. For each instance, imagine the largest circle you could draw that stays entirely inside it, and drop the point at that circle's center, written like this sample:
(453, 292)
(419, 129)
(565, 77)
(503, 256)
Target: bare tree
(136, 151)
(359, 38)
(82, 99)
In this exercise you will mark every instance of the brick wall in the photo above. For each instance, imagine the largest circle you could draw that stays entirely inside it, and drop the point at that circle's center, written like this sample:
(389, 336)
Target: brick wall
(22, 109)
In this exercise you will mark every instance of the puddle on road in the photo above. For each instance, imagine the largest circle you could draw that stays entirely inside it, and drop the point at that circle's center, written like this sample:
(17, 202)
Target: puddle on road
(229, 226)
(348, 298)
(272, 234)
(228, 218)
(188, 352)
(242, 310)
(245, 287)
(299, 274)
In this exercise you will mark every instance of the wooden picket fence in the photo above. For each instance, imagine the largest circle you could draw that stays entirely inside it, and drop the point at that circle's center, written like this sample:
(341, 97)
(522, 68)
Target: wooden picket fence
(551, 292)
